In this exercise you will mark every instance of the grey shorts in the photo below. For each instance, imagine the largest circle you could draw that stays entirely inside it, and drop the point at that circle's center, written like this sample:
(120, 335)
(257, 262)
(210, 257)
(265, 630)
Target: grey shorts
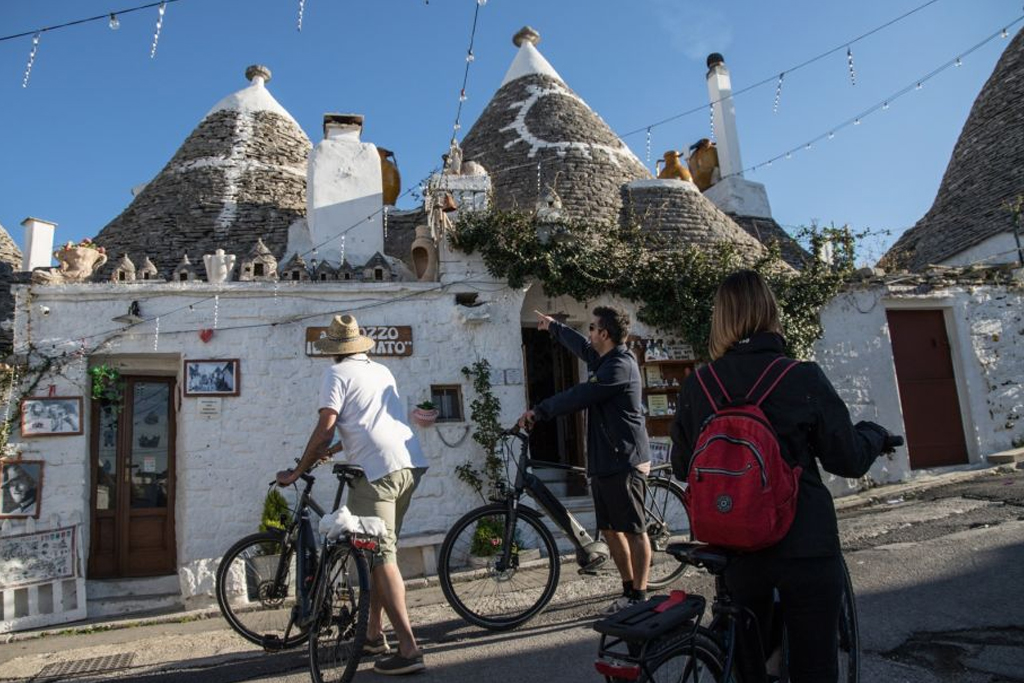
(387, 498)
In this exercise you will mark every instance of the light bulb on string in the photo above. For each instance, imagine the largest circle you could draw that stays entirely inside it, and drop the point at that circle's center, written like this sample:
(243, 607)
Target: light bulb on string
(159, 26)
(856, 122)
(885, 105)
(342, 248)
(216, 309)
(648, 145)
(462, 95)
(469, 56)
(789, 155)
(386, 207)
(958, 62)
(849, 64)
(114, 22)
(808, 146)
(918, 86)
(302, 9)
(1004, 33)
(778, 93)
(769, 163)
(156, 335)
(711, 115)
(31, 60)
(831, 135)
(481, 2)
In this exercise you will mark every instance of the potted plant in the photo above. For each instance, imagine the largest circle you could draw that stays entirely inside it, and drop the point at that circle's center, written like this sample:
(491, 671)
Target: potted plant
(78, 261)
(488, 539)
(425, 414)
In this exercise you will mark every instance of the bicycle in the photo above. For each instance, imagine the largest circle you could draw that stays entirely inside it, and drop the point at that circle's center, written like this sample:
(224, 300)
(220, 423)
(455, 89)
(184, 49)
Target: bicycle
(662, 639)
(276, 590)
(499, 564)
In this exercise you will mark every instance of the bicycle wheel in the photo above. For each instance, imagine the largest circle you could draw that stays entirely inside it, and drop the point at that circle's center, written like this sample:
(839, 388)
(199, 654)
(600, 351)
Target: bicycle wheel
(694, 660)
(667, 522)
(256, 590)
(849, 634)
(337, 634)
(471, 580)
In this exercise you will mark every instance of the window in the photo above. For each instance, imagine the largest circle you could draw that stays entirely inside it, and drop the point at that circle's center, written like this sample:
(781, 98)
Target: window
(378, 273)
(258, 269)
(448, 399)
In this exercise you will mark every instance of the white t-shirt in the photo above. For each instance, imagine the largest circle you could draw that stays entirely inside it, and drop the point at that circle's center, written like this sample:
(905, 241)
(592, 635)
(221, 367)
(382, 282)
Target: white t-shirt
(372, 421)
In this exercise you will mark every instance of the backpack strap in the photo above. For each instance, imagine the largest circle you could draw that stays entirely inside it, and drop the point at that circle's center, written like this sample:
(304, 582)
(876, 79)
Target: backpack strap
(715, 403)
(774, 373)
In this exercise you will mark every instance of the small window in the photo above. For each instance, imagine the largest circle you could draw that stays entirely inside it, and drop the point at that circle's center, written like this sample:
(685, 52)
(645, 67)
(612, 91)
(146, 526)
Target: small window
(183, 276)
(348, 276)
(121, 275)
(448, 399)
(378, 273)
(257, 269)
(323, 277)
(145, 276)
(295, 275)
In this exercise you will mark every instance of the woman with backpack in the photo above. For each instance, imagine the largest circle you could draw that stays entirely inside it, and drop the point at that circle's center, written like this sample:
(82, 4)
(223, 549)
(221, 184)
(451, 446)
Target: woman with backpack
(791, 419)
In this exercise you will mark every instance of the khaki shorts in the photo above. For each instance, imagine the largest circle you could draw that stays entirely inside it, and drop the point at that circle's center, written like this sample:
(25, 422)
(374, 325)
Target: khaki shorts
(387, 498)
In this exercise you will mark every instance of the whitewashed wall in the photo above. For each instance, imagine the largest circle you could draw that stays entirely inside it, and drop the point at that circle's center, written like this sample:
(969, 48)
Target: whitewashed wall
(225, 464)
(986, 331)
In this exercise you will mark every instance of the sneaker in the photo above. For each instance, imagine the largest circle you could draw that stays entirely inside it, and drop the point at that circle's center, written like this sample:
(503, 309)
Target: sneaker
(377, 647)
(620, 603)
(396, 665)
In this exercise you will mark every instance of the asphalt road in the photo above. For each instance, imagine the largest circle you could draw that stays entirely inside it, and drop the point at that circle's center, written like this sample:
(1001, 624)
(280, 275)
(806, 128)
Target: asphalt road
(938, 577)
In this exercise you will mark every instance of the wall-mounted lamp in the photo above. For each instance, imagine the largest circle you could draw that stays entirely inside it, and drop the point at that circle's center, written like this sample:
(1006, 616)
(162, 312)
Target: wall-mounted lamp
(133, 317)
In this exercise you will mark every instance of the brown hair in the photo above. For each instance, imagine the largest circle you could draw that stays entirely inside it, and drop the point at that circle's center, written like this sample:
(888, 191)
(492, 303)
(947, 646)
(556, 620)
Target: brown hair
(744, 305)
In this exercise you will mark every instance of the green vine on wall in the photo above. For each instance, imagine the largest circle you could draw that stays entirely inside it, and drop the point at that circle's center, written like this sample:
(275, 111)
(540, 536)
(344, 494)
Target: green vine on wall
(484, 411)
(673, 285)
(107, 385)
(12, 377)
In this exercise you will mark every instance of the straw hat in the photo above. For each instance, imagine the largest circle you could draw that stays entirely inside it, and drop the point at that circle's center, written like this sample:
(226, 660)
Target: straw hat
(343, 337)
(15, 473)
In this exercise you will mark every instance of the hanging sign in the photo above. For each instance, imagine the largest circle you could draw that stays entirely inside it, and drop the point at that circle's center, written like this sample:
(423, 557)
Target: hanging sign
(392, 340)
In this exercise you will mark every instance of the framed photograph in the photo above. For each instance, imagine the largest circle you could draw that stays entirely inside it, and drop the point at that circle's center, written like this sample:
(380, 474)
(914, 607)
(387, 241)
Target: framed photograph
(51, 416)
(212, 377)
(21, 488)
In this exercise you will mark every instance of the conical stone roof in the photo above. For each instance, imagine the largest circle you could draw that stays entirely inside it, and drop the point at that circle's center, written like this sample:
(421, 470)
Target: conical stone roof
(9, 252)
(985, 171)
(536, 118)
(240, 176)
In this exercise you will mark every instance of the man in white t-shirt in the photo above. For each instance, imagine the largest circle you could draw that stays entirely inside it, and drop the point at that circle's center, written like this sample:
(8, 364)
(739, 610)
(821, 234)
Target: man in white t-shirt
(359, 400)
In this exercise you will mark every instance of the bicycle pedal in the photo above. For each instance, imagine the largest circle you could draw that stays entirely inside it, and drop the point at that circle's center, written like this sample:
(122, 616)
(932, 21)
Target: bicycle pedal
(595, 563)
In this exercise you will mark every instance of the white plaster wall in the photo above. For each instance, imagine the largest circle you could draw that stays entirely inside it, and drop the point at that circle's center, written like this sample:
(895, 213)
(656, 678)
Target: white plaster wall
(1001, 248)
(224, 465)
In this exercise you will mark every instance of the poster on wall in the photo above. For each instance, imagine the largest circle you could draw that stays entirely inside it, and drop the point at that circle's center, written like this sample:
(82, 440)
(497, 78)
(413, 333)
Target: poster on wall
(212, 377)
(39, 557)
(391, 340)
(21, 488)
(51, 416)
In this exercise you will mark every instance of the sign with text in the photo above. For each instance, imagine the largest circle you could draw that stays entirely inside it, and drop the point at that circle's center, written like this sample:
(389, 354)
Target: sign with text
(392, 340)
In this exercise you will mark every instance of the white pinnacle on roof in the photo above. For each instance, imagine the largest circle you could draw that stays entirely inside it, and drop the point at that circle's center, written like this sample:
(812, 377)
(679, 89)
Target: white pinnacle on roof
(528, 60)
(253, 98)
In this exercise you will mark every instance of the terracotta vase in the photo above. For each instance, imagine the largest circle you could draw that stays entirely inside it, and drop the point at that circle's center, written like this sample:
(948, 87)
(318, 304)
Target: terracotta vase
(424, 418)
(391, 179)
(424, 255)
(78, 263)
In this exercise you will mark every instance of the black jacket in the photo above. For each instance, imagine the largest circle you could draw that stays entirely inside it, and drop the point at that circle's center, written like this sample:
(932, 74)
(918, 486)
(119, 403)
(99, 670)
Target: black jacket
(812, 423)
(612, 395)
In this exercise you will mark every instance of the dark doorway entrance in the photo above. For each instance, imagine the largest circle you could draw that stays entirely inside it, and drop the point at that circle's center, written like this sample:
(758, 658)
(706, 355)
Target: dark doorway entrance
(133, 482)
(928, 395)
(550, 368)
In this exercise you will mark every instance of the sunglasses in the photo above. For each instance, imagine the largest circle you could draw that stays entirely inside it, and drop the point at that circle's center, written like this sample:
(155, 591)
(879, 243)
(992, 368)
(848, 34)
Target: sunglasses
(595, 327)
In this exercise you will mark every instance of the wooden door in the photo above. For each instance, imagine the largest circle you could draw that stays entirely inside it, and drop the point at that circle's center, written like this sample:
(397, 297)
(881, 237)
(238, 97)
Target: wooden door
(928, 394)
(133, 483)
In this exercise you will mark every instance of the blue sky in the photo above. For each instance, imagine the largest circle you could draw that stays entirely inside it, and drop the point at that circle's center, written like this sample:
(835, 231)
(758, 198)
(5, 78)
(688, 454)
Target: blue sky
(99, 116)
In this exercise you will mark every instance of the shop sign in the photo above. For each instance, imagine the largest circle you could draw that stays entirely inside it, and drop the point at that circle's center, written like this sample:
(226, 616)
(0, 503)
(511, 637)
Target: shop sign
(392, 340)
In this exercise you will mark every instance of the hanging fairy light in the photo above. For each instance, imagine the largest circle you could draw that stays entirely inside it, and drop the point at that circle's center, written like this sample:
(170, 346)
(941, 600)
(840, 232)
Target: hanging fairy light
(919, 85)
(31, 60)
(114, 22)
(302, 9)
(1004, 33)
(538, 179)
(958, 62)
(778, 93)
(885, 105)
(342, 248)
(462, 95)
(386, 207)
(711, 118)
(831, 134)
(470, 56)
(159, 25)
(849, 64)
(156, 335)
(648, 145)
(216, 309)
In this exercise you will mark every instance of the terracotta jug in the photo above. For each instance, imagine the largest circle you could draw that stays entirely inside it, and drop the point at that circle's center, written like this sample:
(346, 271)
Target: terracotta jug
(424, 255)
(390, 177)
(78, 263)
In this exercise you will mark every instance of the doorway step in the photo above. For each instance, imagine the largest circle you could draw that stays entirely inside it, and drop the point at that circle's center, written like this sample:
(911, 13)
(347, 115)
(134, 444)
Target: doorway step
(112, 597)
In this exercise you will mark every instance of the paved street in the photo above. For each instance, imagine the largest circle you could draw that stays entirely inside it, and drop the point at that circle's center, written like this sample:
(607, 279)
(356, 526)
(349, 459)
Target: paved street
(938, 575)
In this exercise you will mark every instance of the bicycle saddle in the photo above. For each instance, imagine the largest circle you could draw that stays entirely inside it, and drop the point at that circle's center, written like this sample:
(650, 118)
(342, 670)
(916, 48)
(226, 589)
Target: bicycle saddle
(709, 557)
(347, 470)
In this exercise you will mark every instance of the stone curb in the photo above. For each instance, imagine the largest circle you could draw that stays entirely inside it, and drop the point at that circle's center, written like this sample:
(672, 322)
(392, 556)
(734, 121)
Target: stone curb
(883, 492)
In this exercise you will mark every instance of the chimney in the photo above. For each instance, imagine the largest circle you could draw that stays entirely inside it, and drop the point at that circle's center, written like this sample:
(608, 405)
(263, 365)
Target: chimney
(724, 111)
(38, 243)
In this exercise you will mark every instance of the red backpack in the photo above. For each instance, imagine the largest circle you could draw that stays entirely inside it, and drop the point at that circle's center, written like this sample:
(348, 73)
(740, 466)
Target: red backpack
(741, 492)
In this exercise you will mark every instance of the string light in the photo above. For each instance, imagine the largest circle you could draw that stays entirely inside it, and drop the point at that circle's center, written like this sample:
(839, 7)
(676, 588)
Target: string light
(114, 22)
(159, 27)
(1004, 33)
(216, 309)
(856, 122)
(302, 9)
(849, 63)
(648, 146)
(789, 155)
(711, 117)
(831, 134)
(538, 179)
(342, 248)
(462, 95)
(918, 86)
(31, 60)
(386, 208)
(778, 93)
(469, 56)
(959, 62)
(156, 335)
(885, 105)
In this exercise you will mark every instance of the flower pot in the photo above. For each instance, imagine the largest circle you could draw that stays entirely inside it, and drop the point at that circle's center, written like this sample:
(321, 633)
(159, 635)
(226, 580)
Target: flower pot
(78, 263)
(424, 418)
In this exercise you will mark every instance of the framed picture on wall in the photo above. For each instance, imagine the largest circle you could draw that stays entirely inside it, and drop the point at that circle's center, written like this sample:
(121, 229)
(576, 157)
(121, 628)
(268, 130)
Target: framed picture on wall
(212, 377)
(51, 416)
(21, 488)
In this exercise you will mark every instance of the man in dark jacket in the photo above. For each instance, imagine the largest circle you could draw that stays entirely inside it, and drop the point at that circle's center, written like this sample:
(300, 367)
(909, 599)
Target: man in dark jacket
(618, 452)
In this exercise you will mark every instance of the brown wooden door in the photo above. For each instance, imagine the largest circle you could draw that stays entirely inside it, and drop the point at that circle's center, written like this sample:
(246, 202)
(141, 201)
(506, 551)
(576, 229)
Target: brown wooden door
(133, 465)
(928, 395)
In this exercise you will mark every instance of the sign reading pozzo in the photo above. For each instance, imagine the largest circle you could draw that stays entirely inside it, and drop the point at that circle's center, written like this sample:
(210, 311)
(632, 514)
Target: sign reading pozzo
(392, 340)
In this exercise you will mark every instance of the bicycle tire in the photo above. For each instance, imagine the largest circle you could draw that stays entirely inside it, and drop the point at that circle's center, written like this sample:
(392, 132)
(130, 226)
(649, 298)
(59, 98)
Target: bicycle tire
(254, 603)
(338, 631)
(667, 522)
(849, 632)
(695, 659)
(472, 584)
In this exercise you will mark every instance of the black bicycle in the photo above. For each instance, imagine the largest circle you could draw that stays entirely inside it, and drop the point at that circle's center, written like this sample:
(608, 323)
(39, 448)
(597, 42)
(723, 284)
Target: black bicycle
(277, 590)
(662, 640)
(499, 564)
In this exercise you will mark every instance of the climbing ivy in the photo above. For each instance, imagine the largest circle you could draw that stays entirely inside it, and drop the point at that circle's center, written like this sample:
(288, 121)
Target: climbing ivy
(484, 411)
(673, 285)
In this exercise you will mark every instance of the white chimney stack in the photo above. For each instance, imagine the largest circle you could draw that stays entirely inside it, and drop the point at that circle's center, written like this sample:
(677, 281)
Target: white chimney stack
(344, 193)
(38, 243)
(724, 110)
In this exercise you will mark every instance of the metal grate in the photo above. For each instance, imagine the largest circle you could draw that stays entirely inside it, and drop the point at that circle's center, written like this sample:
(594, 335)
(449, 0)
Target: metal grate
(81, 667)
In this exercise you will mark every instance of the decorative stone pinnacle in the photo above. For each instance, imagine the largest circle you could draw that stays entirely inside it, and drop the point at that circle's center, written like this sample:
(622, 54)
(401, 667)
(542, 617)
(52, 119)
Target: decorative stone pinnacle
(527, 34)
(257, 70)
